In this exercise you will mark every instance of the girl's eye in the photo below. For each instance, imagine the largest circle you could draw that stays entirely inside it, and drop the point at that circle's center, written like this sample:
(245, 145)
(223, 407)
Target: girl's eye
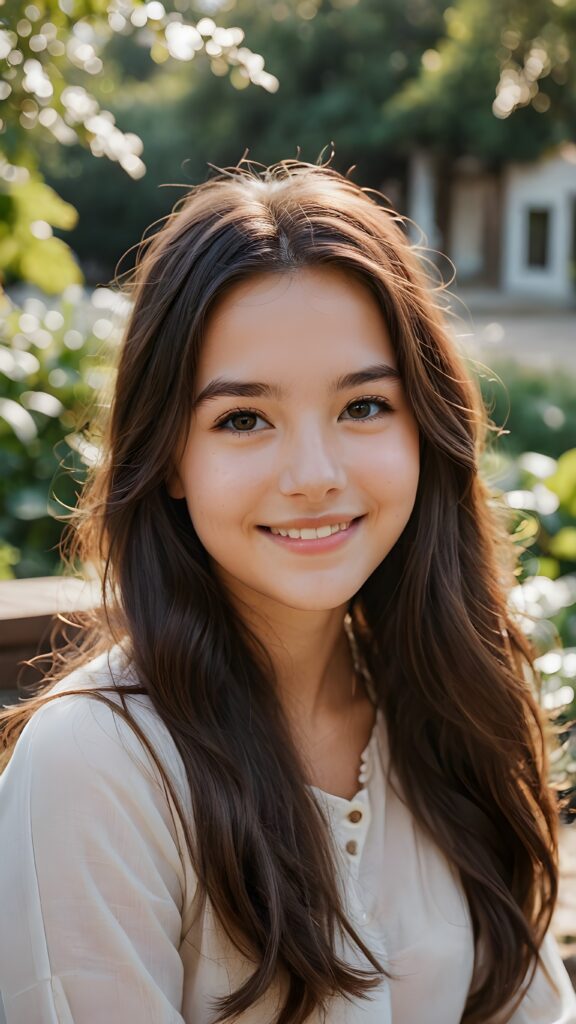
(360, 408)
(244, 421)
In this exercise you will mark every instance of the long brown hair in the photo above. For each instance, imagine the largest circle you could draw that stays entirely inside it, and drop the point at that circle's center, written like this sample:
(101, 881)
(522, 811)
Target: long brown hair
(449, 665)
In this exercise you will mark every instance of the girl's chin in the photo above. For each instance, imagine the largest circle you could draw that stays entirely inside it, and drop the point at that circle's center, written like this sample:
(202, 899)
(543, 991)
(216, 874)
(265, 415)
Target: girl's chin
(311, 600)
(303, 592)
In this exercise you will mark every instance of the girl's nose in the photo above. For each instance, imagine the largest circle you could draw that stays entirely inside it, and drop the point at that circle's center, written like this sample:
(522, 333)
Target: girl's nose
(311, 466)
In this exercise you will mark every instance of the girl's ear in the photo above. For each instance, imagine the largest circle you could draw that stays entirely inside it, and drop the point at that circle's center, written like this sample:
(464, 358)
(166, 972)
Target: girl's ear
(174, 485)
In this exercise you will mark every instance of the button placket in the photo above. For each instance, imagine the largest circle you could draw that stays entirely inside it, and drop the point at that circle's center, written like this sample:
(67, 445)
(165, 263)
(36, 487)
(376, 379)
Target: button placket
(353, 827)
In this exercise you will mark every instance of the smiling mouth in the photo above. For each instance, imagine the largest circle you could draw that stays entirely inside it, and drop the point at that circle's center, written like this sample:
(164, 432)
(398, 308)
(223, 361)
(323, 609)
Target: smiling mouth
(311, 533)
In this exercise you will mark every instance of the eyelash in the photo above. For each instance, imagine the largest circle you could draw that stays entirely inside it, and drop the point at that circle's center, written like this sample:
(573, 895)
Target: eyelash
(384, 404)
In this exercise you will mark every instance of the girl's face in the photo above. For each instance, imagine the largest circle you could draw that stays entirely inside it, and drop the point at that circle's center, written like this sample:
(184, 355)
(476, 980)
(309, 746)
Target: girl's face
(300, 425)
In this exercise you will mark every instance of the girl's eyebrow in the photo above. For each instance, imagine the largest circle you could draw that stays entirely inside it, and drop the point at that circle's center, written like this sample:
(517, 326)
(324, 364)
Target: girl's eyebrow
(222, 387)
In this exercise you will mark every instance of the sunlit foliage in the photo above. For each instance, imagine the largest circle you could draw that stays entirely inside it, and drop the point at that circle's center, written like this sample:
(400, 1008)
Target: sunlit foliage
(55, 48)
(494, 59)
(51, 53)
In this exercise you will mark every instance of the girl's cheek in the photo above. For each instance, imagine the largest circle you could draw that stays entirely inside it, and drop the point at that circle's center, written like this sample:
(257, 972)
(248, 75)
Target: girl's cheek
(221, 488)
(399, 453)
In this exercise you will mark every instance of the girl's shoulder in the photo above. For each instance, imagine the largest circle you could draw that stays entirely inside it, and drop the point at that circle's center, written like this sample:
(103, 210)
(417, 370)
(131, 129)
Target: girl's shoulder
(96, 882)
(87, 731)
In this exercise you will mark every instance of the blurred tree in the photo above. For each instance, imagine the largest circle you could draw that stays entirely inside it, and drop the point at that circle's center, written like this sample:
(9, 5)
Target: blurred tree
(377, 79)
(538, 58)
(339, 63)
(50, 50)
(495, 59)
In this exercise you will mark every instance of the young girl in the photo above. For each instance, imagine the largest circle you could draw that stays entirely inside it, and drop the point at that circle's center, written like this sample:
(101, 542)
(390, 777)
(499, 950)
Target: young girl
(295, 772)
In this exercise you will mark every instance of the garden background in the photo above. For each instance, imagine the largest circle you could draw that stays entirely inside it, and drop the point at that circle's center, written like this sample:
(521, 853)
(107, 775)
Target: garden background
(111, 109)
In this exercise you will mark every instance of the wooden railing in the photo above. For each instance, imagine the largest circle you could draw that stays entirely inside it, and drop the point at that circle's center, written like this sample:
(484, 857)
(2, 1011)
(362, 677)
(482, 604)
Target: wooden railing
(28, 611)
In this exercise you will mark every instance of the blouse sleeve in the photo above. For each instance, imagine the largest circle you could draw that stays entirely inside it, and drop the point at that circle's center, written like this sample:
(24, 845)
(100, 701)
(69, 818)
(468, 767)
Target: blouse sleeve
(541, 1005)
(91, 876)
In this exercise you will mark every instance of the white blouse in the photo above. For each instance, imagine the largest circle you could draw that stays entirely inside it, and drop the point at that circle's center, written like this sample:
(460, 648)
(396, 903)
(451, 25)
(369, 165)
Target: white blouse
(101, 920)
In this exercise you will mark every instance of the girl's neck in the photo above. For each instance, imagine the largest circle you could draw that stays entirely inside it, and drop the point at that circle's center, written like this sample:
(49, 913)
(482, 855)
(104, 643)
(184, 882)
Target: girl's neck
(311, 656)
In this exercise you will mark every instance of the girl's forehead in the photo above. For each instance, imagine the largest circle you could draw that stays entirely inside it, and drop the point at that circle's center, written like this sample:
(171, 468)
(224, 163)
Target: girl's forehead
(320, 287)
(280, 318)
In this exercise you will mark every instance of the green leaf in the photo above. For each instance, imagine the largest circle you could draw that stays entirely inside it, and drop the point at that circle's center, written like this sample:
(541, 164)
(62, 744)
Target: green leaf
(548, 567)
(9, 556)
(37, 201)
(563, 481)
(6, 208)
(526, 530)
(563, 545)
(9, 249)
(50, 265)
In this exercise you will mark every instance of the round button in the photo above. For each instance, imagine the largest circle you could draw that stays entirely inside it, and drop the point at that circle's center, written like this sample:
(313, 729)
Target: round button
(351, 846)
(355, 816)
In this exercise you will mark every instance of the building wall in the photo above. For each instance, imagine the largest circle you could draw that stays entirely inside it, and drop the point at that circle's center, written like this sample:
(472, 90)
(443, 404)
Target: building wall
(473, 238)
(467, 227)
(548, 188)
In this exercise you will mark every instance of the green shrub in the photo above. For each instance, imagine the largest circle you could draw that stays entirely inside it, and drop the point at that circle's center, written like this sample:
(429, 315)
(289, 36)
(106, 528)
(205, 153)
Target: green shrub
(536, 409)
(54, 355)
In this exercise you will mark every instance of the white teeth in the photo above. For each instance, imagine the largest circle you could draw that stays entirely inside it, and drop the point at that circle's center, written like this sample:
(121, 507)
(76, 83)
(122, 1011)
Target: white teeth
(310, 533)
(323, 531)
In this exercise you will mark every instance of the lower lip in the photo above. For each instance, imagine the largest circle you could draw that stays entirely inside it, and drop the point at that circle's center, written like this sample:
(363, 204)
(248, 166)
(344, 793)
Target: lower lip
(318, 544)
